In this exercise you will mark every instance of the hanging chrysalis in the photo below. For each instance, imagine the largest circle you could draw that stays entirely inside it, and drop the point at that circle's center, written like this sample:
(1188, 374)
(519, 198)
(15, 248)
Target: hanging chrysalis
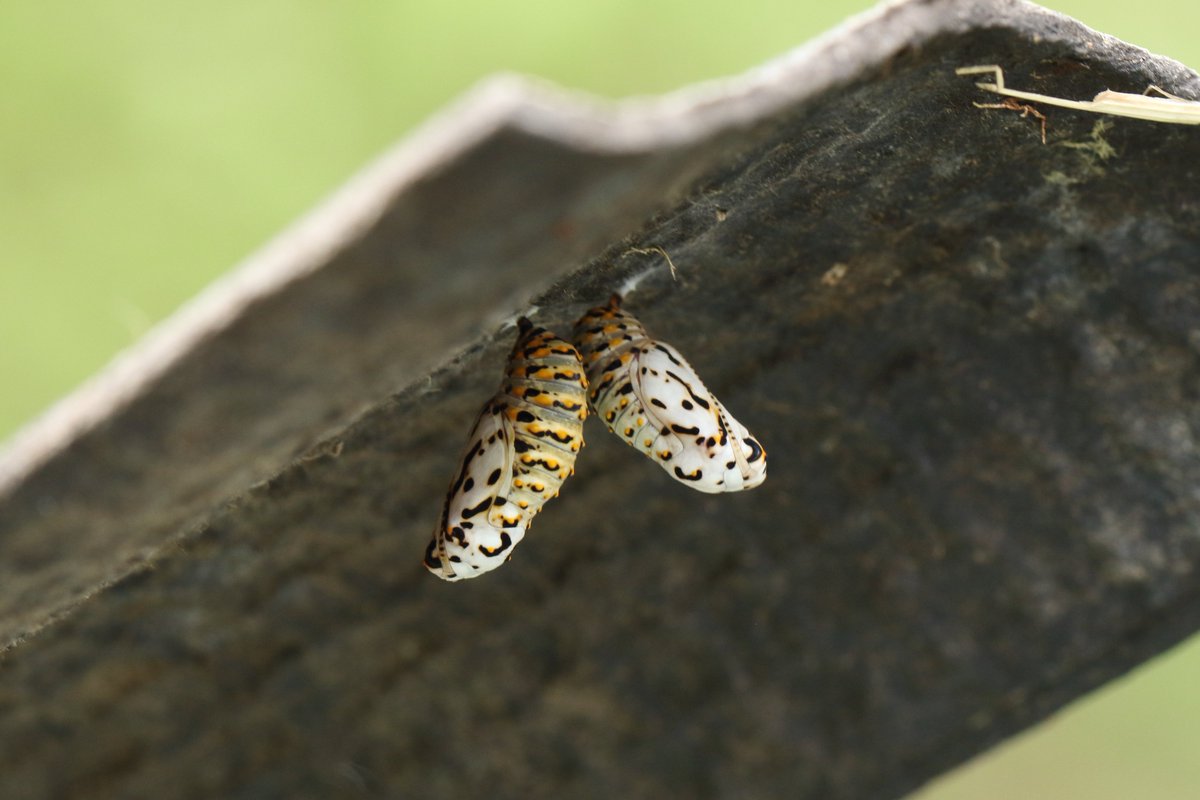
(647, 394)
(522, 448)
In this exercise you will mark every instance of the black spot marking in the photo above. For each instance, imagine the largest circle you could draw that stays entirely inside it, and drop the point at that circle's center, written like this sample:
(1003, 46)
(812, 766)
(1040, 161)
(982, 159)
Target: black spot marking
(756, 450)
(710, 441)
(475, 450)
(730, 464)
(683, 476)
(654, 401)
(525, 416)
(470, 512)
(668, 354)
(505, 543)
(687, 405)
(680, 429)
(431, 560)
(543, 463)
(559, 436)
(499, 501)
(521, 446)
(469, 485)
(459, 535)
(724, 431)
(700, 401)
(495, 476)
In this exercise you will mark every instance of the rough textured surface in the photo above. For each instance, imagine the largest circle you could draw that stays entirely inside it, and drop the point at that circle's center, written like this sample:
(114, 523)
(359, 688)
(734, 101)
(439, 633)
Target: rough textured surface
(973, 359)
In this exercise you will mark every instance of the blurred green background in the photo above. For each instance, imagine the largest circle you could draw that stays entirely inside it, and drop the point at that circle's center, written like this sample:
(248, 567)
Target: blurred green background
(145, 147)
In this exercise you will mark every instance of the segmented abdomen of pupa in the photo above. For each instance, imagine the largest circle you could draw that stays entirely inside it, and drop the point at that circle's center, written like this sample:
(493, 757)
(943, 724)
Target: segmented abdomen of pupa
(522, 448)
(648, 394)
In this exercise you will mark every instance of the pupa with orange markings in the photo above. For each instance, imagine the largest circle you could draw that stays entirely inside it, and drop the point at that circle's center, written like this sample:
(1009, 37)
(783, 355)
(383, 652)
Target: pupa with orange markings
(649, 395)
(521, 450)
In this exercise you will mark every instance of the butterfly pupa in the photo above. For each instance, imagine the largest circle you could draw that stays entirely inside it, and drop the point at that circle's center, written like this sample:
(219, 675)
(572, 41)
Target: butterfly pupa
(522, 448)
(648, 394)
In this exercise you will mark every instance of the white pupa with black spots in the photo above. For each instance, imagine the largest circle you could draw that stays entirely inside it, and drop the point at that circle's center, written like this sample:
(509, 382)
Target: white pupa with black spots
(649, 395)
(522, 448)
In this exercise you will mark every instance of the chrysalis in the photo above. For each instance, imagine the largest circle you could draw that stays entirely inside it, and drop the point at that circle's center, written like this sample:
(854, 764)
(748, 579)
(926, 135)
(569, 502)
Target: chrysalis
(521, 450)
(647, 394)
